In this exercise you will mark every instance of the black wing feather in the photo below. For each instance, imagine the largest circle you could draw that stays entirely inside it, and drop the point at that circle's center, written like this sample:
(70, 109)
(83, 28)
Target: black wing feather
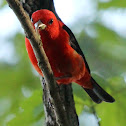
(97, 93)
(74, 44)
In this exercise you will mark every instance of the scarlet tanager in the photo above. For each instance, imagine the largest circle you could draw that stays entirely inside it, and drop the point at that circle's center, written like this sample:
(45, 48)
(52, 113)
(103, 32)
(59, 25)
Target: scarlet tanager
(65, 56)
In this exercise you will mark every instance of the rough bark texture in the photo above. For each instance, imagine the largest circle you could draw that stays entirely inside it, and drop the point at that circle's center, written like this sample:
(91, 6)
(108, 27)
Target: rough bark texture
(65, 90)
(67, 102)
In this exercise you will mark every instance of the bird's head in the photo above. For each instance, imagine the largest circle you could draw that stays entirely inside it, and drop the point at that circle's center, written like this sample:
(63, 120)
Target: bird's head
(46, 22)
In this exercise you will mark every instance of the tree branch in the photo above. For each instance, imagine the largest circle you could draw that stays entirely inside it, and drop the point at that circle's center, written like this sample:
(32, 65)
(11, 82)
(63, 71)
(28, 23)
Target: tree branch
(42, 60)
(57, 99)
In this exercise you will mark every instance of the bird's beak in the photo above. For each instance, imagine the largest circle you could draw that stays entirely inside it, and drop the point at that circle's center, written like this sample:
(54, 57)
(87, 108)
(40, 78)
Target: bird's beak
(39, 26)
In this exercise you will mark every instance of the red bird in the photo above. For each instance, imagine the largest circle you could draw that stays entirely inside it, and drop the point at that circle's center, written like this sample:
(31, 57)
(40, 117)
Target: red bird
(65, 56)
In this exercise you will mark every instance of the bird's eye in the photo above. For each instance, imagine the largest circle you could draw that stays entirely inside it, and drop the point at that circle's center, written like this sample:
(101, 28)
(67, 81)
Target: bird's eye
(51, 21)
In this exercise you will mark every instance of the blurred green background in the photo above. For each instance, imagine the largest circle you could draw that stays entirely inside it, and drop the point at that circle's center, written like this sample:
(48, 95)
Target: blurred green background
(100, 29)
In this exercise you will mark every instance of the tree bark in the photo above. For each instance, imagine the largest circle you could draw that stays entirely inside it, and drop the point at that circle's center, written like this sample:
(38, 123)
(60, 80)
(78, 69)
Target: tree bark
(58, 100)
(67, 102)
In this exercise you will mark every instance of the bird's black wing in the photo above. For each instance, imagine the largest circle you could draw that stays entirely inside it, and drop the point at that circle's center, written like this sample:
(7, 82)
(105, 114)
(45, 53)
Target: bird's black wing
(97, 93)
(74, 44)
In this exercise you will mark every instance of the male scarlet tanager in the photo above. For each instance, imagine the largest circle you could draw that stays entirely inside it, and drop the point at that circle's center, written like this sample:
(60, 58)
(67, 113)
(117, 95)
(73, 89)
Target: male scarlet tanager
(65, 56)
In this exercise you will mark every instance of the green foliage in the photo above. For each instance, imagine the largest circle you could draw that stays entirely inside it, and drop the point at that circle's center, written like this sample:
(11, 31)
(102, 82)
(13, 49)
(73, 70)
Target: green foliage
(2, 3)
(112, 3)
(30, 111)
(79, 104)
(17, 84)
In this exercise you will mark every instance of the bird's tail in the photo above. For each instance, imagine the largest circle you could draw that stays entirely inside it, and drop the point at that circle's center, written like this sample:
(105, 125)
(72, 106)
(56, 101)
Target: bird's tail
(98, 94)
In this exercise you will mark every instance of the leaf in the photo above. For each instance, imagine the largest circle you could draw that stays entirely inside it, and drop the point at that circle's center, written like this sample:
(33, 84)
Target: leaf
(30, 111)
(112, 3)
(79, 104)
(3, 3)
(114, 114)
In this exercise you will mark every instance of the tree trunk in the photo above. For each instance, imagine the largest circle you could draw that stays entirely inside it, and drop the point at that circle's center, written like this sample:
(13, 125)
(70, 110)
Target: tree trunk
(67, 102)
(65, 91)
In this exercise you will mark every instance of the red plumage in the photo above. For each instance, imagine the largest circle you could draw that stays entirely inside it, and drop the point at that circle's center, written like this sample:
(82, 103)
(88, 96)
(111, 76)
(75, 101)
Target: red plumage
(67, 63)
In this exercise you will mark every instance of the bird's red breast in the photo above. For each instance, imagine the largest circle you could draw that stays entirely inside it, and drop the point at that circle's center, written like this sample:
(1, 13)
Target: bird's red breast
(67, 65)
